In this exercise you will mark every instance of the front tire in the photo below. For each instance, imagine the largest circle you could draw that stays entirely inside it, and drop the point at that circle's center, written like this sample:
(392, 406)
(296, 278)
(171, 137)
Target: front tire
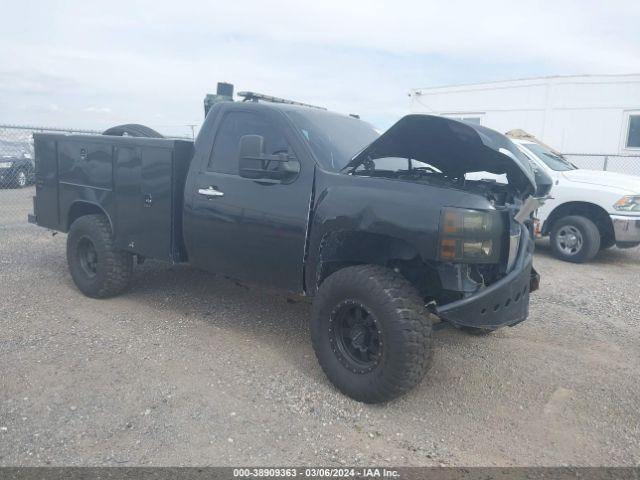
(575, 239)
(98, 269)
(371, 333)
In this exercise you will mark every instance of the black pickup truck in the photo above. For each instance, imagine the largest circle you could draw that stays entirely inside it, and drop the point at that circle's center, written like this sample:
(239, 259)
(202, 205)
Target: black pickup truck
(382, 231)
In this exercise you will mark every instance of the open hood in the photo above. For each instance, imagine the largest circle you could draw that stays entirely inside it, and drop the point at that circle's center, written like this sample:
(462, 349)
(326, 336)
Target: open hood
(455, 148)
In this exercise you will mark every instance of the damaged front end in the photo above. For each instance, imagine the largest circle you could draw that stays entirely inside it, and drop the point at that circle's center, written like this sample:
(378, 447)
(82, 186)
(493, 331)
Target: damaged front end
(484, 255)
(490, 296)
(492, 290)
(489, 292)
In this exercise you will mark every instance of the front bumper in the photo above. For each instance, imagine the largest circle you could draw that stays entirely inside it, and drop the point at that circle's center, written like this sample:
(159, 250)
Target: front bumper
(506, 302)
(626, 228)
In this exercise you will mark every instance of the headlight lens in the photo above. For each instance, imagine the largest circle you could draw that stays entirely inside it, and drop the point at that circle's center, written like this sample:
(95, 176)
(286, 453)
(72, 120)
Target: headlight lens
(629, 203)
(477, 249)
(470, 236)
(5, 164)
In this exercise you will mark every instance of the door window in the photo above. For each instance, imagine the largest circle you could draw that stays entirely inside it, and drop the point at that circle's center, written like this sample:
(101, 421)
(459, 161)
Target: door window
(224, 157)
(633, 131)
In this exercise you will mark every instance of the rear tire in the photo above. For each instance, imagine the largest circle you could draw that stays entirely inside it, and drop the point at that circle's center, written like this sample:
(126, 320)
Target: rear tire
(385, 353)
(575, 239)
(98, 269)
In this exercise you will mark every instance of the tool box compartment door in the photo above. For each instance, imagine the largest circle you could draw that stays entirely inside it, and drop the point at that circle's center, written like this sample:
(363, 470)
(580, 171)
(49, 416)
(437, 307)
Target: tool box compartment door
(46, 206)
(143, 193)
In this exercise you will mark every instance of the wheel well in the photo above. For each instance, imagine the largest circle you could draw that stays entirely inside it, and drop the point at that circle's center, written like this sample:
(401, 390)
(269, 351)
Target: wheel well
(593, 212)
(347, 248)
(80, 209)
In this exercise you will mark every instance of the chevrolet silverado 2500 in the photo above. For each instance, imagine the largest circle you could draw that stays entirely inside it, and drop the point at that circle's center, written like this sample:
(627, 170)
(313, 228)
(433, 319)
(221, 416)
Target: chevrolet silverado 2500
(383, 232)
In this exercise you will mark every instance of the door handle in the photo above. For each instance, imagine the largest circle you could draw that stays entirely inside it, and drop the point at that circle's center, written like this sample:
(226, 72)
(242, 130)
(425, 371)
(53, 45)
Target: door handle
(210, 192)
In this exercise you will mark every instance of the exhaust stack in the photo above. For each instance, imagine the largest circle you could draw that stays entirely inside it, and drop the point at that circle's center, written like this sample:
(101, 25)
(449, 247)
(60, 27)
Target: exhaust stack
(224, 93)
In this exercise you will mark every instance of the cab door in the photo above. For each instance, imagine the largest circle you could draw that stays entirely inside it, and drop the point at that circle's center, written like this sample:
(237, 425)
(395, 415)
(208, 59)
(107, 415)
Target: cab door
(249, 229)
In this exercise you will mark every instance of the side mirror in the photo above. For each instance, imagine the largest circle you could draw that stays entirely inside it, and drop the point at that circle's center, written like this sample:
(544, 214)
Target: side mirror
(255, 164)
(251, 147)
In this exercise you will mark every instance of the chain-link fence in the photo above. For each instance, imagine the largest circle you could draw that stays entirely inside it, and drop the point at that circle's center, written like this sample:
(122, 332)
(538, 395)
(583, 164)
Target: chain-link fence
(17, 171)
(629, 164)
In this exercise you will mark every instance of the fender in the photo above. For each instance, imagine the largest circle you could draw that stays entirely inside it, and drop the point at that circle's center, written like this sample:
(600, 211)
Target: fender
(405, 211)
(80, 208)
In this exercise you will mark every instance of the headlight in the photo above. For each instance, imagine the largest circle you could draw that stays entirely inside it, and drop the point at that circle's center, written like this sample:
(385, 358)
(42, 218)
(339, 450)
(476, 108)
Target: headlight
(629, 203)
(5, 164)
(470, 236)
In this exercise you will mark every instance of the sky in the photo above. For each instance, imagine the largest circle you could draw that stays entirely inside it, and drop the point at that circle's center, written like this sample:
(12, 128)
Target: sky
(86, 64)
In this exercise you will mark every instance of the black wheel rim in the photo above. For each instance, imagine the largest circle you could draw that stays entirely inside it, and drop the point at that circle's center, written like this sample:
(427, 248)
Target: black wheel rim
(88, 256)
(355, 337)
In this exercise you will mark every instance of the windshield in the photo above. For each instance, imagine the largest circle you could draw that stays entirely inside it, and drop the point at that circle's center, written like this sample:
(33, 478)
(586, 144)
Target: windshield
(334, 139)
(551, 160)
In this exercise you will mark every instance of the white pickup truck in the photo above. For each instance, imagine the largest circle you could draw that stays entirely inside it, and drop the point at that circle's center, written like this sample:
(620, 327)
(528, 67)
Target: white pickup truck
(589, 210)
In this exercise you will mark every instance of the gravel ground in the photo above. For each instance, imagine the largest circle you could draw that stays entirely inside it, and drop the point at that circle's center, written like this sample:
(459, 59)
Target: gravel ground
(192, 369)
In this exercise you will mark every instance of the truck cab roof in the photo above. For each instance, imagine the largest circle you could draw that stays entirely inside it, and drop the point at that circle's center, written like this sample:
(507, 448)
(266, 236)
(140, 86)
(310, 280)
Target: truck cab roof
(333, 138)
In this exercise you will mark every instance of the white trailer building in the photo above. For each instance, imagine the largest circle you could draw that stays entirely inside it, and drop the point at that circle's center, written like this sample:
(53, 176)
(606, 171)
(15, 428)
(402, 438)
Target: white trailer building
(596, 117)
